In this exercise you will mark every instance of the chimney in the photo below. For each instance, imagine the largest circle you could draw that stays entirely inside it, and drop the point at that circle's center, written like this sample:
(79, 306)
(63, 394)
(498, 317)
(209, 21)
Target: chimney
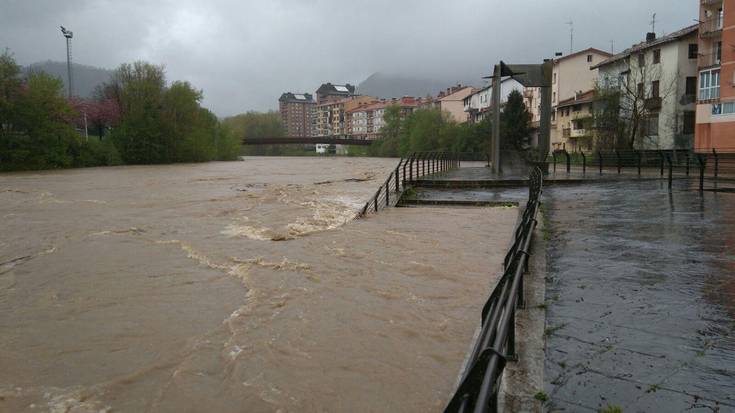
(650, 37)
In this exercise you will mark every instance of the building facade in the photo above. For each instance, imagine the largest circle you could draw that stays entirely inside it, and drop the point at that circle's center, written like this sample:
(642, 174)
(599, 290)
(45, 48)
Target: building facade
(453, 102)
(657, 81)
(571, 77)
(478, 104)
(574, 122)
(298, 114)
(367, 119)
(328, 91)
(332, 114)
(715, 113)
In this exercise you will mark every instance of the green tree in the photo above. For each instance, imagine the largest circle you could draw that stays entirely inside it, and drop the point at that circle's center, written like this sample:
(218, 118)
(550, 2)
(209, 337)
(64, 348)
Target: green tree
(253, 125)
(515, 122)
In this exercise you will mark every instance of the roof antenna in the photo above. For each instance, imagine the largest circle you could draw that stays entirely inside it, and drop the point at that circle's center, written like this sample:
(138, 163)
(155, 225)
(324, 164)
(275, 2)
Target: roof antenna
(571, 36)
(653, 23)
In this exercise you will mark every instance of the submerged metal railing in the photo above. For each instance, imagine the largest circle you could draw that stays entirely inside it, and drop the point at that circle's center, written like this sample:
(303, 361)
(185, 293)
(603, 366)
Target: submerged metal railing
(709, 164)
(407, 171)
(478, 390)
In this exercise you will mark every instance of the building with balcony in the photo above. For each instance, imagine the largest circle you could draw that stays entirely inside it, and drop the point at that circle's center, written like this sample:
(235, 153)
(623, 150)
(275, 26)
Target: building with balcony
(571, 76)
(453, 102)
(298, 114)
(574, 123)
(715, 118)
(332, 114)
(367, 119)
(656, 81)
(478, 104)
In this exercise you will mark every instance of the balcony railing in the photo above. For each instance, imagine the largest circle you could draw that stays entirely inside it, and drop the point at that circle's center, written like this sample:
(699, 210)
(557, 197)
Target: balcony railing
(710, 2)
(710, 26)
(579, 133)
(710, 59)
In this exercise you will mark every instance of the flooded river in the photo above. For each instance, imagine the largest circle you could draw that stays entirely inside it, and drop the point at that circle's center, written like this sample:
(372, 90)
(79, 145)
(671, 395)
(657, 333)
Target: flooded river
(235, 287)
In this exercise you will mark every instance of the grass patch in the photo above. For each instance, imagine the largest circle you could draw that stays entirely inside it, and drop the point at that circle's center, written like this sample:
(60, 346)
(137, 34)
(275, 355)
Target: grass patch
(551, 330)
(611, 409)
(541, 396)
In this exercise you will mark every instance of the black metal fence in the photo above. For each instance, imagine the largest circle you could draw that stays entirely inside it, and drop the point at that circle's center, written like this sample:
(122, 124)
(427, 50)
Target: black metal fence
(707, 165)
(478, 390)
(408, 170)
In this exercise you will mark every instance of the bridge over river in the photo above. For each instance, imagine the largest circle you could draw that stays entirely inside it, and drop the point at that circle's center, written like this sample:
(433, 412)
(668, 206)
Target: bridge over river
(293, 140)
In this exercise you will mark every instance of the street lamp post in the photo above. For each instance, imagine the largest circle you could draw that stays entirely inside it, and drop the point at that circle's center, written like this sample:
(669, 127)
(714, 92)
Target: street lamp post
(68, 35)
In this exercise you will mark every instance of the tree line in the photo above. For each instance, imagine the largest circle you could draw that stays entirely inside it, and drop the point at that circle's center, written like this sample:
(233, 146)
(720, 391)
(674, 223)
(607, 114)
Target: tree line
(432, 129)
(135, 118)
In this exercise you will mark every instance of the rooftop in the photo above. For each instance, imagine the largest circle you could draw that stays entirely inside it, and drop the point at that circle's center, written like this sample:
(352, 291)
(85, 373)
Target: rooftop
(647, 45)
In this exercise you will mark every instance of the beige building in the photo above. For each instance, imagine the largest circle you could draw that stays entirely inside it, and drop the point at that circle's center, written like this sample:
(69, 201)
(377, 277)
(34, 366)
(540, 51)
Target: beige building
(572, 76)
(332, 114)
(454, 103)
(573, 125)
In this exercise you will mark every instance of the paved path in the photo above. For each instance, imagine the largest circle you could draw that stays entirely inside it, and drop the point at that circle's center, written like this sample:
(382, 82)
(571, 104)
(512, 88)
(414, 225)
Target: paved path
(640, 298)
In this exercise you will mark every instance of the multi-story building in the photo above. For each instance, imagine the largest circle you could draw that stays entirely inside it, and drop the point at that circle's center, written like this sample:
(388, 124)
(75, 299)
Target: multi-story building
(331, 114)
(298, 113)
(715, 116)
(329, 91)
(574, 118)
(453, 102)
(367, 119)
(478, 104)
(656, 80)
(571, 77)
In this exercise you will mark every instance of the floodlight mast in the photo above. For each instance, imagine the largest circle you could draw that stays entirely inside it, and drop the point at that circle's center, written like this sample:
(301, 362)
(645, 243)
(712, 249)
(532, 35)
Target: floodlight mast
(68, 34)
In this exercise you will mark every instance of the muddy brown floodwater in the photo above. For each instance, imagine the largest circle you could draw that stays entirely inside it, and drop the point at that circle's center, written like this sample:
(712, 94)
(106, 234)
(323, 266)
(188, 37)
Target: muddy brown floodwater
(235, 287)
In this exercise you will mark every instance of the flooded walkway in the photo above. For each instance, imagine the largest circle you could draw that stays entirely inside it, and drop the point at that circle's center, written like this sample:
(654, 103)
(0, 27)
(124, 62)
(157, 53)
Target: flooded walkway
(640, 298)
(231, 287)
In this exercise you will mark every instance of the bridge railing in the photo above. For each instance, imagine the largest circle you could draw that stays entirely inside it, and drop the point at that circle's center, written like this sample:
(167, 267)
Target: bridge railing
(495, 345)
(408, 170)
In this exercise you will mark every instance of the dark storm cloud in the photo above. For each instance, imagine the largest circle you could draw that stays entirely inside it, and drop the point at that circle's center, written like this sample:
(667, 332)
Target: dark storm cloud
(245, 53)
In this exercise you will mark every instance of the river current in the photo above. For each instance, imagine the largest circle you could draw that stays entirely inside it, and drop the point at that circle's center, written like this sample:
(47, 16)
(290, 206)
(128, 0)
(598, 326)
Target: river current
(235, 287)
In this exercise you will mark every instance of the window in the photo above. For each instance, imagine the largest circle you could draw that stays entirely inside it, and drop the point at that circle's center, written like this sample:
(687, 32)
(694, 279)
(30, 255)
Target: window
(554, 97)
(709, 84)
(589, 58)
(718, 53)
(650, 126)
(641, 60)
(693, 50)
(657, 56)
(655, 88)
(554, 79)
(727, 108)
(639, 90)
(691, 86)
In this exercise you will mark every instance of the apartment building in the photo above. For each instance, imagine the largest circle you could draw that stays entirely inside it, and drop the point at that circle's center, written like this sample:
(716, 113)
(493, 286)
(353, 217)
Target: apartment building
(453, 102)
(298, 113)
(573, 75)
(331, 114)
(367, 119)
(328, 91)
(715, 111)
(478, 104)
(574, 118)
(657, 82)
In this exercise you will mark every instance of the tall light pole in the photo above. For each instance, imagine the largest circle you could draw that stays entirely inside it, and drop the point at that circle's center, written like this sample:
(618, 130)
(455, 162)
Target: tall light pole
(68, 34)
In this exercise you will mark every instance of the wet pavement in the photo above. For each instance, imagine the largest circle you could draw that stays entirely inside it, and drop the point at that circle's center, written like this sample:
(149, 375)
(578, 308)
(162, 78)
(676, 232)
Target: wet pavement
(640, 298)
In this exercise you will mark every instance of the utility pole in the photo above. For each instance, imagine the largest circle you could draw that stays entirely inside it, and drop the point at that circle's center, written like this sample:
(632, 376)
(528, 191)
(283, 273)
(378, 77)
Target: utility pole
(68, 35)
(612, 46)
(495, 103)
(571, 36)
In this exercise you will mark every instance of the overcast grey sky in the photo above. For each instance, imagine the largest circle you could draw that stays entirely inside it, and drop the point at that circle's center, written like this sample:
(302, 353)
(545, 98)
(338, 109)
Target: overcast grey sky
(244, 53)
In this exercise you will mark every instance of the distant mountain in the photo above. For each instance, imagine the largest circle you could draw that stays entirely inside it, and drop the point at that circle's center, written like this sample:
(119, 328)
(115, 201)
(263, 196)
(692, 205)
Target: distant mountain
(392, 86)
(86, 78)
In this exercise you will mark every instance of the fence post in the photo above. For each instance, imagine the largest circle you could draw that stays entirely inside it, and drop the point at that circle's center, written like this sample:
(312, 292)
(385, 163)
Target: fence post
(668, 158)
(717, 162)
(553, 155)
(687, 156)
(702, 166)
(661, 155)
(376, 199)
(599, 155)
(398, 174)
(584, 162)
(638, 158)
(617, 155)
(568, 161)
